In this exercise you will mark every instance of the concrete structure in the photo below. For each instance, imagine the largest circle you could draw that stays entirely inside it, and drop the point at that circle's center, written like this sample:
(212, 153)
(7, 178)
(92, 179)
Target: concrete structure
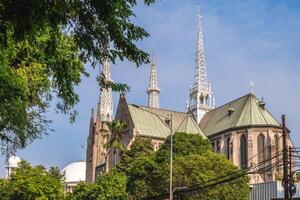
(73, 174)
(12, 165)
(270, 190)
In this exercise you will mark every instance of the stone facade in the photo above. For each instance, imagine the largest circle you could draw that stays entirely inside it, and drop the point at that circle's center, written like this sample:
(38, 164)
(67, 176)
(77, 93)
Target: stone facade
(96, 152)
(262, 147)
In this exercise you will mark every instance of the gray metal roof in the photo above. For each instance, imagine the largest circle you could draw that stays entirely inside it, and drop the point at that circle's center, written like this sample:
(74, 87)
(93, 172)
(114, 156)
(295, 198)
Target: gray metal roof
(246, 111)
(150, 122)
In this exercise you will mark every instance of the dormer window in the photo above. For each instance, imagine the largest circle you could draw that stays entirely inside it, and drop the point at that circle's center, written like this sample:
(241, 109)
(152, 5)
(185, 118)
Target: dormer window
(261, 103)
(230, 111)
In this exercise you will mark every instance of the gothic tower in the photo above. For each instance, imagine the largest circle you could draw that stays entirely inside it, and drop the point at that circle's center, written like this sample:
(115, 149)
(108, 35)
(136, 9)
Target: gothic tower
(201, 98)
(153, 89)
(98, 131)
(105, 101)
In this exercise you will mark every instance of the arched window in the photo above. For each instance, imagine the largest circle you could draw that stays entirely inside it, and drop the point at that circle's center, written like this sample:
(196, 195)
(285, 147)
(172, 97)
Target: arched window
(243, 150)
(213, 146)
(201, 100)
(218, 146)
(261, 151)
(228, 148)
(276, 148)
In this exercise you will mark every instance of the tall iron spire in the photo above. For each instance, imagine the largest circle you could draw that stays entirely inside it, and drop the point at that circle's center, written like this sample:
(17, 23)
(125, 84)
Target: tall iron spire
(105, 105)
(201, 98)
(153, 89)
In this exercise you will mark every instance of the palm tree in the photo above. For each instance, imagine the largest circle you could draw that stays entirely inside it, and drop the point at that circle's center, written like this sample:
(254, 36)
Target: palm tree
(117, 128)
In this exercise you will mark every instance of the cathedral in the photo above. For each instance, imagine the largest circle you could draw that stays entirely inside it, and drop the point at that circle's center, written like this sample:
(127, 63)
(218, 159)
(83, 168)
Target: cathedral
(243, 130)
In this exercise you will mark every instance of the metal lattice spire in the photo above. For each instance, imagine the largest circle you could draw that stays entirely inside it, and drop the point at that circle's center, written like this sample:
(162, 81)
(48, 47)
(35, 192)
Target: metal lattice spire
(153, 89)
(201, 98)
(200, 77)
(105, 107)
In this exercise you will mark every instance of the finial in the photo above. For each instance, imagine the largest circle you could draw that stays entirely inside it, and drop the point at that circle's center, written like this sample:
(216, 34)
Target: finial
(251, 86)
(153, 55)
(199, 13)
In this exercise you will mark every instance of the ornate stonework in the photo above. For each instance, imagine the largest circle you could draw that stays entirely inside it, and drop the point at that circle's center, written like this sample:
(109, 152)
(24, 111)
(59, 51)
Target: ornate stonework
(98, 131)
(153, 89)
(105, 100)
(201, 98)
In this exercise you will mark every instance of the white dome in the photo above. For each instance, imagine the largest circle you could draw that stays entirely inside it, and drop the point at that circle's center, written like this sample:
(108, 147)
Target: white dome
(13, 161)
(74, 172)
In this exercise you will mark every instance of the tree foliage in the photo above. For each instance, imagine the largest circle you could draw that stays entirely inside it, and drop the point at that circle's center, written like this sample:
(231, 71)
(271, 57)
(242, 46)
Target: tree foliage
(144, 174)
(111, 186)
(194, 165)
(298, 176)
(43, 46)
(114, 143)
(140, 148)
(30, 73)
(31, 183)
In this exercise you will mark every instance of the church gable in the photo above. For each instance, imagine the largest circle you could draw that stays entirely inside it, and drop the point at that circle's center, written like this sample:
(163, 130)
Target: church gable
(150, 122)
(247, 111)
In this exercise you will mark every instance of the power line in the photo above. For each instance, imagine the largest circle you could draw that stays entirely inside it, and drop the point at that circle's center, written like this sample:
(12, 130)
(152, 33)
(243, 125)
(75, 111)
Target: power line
(229, 177)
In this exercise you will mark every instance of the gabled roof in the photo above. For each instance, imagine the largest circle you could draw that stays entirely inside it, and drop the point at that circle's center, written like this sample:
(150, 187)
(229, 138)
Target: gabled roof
(150, 122)
(245, 112)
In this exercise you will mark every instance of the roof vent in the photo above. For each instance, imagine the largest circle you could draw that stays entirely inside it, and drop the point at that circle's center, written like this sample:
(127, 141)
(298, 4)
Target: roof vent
(261, 103)
(230, 111)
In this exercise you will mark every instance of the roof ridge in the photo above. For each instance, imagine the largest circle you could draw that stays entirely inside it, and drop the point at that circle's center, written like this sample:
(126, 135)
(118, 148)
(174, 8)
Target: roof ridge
(243, 108)
(260, 110)
(267, 112)
(230, 102)
(164, 109)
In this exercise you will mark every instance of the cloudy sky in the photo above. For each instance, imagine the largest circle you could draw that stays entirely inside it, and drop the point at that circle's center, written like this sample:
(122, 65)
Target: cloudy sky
(244, 41)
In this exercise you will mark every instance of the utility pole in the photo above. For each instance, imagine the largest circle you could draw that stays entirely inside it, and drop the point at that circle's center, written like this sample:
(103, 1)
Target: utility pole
(285, 161)
(171, 158)
(290, 173)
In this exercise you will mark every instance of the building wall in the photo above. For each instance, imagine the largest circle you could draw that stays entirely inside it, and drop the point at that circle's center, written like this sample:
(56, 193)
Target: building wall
(267, 191)
(96, 152)
(229, 144)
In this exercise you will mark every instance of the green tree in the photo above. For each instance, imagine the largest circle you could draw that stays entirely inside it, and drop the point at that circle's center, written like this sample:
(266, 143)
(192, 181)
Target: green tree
(31, 183)
(55, 172)
(140, 148)
(133, 164)
(110, 186)
(298, 176)
(117, 129)
(194, 165)
(43, 46)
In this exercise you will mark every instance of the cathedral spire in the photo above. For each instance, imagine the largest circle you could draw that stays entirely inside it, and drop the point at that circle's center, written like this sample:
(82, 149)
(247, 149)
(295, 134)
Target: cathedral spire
(105, 105)
(200, 77)
(153, 89)
(201, 97)
(92, 119)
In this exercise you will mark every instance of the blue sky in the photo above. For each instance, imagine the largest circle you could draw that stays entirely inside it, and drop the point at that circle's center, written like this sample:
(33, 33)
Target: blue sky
(244, 41)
